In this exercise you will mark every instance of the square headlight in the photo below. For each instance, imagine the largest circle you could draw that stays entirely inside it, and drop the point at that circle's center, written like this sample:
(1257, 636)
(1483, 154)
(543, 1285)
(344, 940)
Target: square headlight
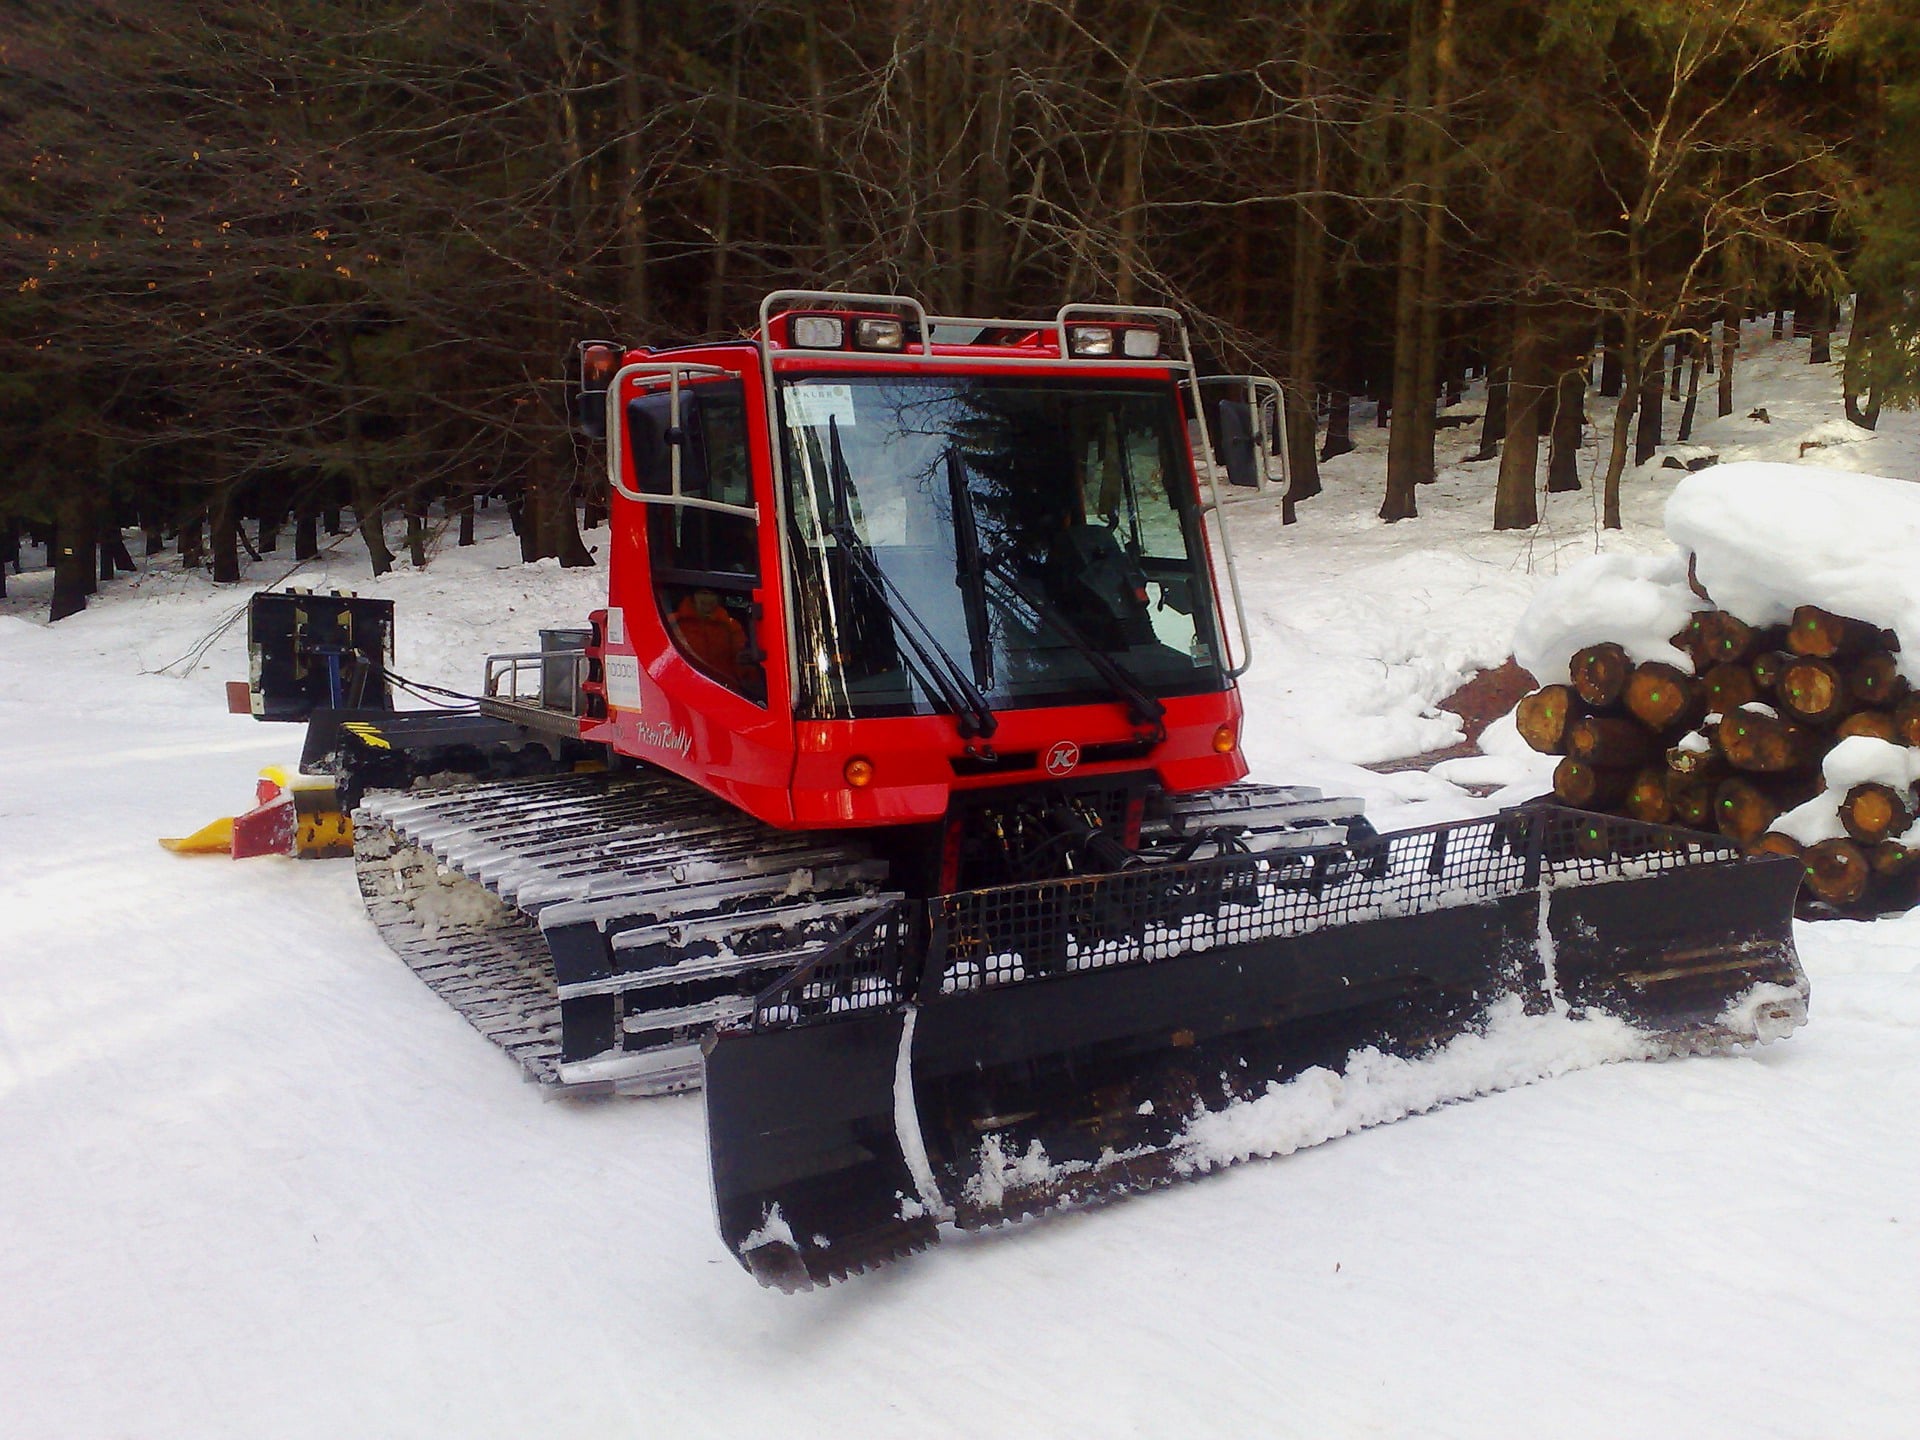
(819, 332)
(871, 334)
(1140, 343)
(1090, 339)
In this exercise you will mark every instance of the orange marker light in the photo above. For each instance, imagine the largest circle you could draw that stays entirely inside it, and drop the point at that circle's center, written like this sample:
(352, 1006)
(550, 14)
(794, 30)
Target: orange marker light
(1223, 740)
(859, 772)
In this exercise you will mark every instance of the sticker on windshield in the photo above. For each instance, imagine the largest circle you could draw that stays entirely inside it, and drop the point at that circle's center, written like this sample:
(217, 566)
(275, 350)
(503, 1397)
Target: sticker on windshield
(812, 406)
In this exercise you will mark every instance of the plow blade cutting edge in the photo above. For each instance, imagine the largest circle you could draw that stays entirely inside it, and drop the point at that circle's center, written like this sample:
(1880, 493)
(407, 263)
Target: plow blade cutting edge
(983, 1056)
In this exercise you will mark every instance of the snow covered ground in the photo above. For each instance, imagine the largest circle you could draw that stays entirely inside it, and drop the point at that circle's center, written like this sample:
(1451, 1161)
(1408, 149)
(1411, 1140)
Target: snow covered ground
(256, 1181)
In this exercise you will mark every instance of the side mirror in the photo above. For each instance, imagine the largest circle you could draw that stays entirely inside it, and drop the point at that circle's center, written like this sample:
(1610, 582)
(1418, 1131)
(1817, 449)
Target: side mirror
(1233, 442)
(652, 439)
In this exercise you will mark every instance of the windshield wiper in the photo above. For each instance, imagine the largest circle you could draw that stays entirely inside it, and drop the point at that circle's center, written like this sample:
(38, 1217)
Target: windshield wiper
(1142, 708)
(960, 695)
(970, 575)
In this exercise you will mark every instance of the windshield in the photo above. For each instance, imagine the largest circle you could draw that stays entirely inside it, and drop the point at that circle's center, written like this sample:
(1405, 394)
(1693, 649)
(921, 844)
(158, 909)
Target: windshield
(1018, 524)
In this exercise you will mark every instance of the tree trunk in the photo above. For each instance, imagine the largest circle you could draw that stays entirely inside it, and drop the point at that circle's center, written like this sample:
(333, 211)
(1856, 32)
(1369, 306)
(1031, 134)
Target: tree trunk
(994, 161)
(369, 515)
(825, 162)
(113, 552)
(225, 534)
(367, 501)
(1729, 348)
(1612, 367)
(1303, 349)
(306, 535)
(634, 152)
(1404, 467)
(523, 519)
(1568, 420)
(550, 516)
(416, 532)
(1697, 351)
(1822, 331)
(1434, 229)
(1493, 421)
(1303, 468)
(466, 519)
(1339, 437)
(72, 553)
(1515, 505)
(1860, 391)
(1646, 435)
(1623, 407)
(192, 540)
(721, 193)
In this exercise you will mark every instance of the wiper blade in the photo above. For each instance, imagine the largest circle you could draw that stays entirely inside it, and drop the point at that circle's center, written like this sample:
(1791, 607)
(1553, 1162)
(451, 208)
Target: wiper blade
(942, 671)
(1143, 708)
(970, 575)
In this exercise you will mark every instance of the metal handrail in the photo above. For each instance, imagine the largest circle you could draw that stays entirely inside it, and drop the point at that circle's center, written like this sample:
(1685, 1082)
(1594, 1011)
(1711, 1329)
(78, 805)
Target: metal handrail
(653, 372)
(1260, 390)
(1183, 362)
(510, 666)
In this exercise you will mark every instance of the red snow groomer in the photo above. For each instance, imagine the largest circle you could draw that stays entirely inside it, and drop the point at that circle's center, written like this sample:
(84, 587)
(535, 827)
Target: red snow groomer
(914, 824)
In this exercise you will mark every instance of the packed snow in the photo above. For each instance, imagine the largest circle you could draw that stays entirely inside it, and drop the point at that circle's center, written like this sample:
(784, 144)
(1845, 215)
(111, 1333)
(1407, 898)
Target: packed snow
(1320, 1104)
(1639, 602)
(1773, 536)
(1760, 538)
(1857, 760)
(260, 1182)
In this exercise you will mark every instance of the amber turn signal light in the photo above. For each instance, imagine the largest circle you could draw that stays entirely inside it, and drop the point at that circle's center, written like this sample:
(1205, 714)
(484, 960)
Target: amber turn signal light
(859, 772)
(1223, 740)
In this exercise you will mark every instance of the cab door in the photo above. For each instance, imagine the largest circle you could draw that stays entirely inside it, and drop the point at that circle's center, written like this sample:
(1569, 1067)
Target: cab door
(694, 674)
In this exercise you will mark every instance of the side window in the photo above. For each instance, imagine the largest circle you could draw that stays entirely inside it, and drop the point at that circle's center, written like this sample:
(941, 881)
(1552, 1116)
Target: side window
(705, 562)
(1161, 537)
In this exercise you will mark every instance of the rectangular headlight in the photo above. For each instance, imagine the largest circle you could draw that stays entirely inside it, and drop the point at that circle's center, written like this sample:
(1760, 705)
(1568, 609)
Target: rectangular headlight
(1140, 344)
(871, 334)
(1090, 339)
(819, 332)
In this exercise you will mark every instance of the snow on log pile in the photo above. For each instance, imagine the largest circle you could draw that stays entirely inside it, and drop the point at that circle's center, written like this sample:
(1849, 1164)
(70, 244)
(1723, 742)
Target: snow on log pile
(1753, 681)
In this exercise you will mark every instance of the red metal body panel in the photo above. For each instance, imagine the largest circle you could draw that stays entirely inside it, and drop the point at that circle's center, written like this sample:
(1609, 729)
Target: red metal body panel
(913, 769)
(792, 773)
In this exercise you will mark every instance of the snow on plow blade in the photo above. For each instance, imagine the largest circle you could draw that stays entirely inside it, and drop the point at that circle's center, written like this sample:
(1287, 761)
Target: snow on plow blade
(997, 1053)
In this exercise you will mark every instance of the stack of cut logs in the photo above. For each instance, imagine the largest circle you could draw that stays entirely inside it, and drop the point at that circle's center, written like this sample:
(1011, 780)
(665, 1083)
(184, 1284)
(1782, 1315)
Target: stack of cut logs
(1739, 742)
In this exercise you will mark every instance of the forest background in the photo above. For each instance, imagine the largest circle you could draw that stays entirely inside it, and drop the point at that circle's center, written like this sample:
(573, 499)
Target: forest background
(267, 265)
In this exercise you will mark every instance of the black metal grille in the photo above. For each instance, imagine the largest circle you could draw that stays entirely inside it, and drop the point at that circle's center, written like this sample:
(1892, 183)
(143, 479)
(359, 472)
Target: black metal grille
(1012, 934)
(865, 968)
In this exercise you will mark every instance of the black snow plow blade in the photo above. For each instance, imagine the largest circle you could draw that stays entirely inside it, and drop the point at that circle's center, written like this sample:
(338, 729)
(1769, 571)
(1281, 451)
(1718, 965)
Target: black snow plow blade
(993, 1054)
